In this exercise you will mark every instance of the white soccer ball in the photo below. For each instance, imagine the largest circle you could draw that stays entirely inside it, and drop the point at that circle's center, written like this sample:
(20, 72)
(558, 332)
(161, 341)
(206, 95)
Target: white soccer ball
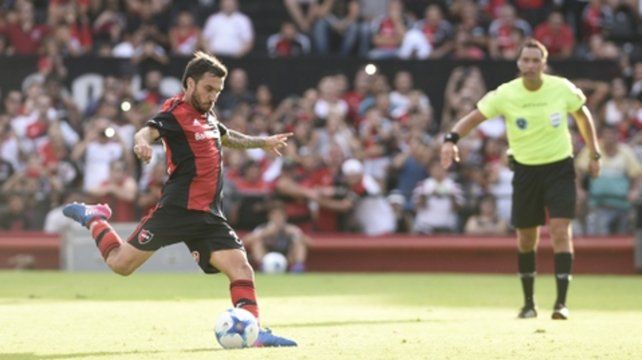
(236, 328)
(274, 263)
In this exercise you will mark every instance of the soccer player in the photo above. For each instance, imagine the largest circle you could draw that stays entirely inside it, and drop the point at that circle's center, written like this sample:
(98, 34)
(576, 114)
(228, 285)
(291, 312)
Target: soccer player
(535, 107)
(190, 206)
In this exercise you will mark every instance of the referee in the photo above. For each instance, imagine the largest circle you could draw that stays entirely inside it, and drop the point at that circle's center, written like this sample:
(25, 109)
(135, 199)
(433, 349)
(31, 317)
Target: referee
(535, 107)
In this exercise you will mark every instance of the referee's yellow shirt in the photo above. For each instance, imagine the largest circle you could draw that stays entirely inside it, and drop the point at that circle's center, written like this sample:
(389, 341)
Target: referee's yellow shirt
(536, 121)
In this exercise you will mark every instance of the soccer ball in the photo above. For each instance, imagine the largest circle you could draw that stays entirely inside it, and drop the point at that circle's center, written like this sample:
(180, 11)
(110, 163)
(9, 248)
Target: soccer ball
(236, 328)
(274, 263)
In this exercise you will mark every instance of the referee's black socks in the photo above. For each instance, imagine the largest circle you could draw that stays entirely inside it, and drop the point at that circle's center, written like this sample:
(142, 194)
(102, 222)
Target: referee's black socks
(526, 266)
(563, 265)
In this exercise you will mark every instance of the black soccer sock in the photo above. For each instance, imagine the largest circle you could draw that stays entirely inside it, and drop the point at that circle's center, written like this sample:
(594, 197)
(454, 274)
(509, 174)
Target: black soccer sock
(526, 266)
(563, 265)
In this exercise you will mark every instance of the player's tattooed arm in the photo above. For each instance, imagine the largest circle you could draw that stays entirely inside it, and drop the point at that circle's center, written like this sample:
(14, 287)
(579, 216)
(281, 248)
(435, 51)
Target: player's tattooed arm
(236, 140)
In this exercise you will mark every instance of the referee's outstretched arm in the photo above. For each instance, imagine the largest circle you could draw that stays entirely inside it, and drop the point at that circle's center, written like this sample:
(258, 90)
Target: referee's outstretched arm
(449, 150)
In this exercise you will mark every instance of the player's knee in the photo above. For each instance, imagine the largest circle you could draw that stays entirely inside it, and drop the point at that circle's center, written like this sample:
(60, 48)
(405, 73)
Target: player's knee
(121, 268)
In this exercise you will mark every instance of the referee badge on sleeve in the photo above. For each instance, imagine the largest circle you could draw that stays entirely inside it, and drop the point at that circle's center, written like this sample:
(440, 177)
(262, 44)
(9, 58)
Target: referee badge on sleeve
(556, 119)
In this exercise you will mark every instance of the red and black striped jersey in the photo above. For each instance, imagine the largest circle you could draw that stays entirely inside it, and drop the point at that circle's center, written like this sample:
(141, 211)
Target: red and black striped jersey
(192, 144)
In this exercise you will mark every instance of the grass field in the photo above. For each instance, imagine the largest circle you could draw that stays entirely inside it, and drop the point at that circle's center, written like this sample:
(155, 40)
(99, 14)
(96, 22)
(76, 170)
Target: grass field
(47, 315)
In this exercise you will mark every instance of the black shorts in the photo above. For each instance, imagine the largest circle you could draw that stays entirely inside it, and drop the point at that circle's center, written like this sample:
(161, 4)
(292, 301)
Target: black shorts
(537, 188)
(202, 232)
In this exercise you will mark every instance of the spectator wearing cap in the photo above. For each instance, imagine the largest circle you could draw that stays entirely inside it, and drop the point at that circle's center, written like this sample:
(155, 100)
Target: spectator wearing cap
(371, 212)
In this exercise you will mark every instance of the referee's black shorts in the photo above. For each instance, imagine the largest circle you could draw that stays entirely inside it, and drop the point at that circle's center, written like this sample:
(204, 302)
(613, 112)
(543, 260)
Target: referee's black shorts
(537, 188)
(202, 232)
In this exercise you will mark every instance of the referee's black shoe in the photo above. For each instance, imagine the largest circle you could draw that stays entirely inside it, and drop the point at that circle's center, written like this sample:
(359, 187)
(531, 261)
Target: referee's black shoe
(560, 312)
(527, 312)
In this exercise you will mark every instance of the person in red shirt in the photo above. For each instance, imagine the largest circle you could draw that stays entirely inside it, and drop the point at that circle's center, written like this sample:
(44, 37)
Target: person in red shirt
(119, 191)
(556, 36)
(190, 207)
(184, 36)
(25, 36)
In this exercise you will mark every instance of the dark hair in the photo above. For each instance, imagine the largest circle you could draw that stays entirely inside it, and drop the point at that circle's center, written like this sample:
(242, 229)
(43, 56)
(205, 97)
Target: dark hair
(533, 44)
(203, 63)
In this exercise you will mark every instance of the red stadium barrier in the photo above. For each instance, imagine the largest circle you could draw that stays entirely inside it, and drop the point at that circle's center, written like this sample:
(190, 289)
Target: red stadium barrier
(460, 254)
(30, 250)
(347, 252)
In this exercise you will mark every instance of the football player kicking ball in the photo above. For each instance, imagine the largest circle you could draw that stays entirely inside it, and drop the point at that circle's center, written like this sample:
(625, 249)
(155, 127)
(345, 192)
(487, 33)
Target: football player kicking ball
(190, 205)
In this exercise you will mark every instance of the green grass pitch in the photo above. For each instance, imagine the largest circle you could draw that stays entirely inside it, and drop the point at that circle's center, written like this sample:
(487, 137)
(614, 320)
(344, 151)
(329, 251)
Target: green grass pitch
(50, 315)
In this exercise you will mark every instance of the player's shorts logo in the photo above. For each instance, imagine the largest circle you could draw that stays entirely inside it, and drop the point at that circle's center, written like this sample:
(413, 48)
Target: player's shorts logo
(197, 256)
(145, 236)
(521, 123)
(236, 238)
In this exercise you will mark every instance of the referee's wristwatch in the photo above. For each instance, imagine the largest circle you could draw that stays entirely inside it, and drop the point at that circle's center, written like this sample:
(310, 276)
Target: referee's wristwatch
(596, 156)
(452, 137)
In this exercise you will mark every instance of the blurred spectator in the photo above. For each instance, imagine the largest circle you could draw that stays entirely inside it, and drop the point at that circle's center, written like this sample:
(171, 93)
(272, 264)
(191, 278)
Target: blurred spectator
(288, 42)
(506, 33)
(330, 100)
(250, 196)
(620, 23)
(465, 86)
(403, 216)
(277, 235)
(388, 31)
(431, 36)
(24, 34)
(228, 32)
(336, 18)
(611, 194)
(371, 212)
(601, 49)
(14, 215)
(236, 92)
(556, 36)
(119, 191)
(636, 81)
(151, 190)
(99, 148)
(437, 200)
(486, 221)
(149, 55)
(305, 13)
(617, 110)
(184, 36)
(405, 98)
(409, 167)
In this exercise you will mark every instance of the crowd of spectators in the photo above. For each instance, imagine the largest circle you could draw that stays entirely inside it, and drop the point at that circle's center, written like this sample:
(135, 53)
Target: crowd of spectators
(364, 152)
(459, 29)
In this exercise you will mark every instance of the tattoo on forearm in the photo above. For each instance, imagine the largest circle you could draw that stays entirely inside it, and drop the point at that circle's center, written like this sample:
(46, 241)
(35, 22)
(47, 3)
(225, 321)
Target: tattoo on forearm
(237, 140)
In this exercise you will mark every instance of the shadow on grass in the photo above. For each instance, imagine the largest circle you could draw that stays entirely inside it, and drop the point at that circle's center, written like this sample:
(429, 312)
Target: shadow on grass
(358, 322)
(32, 356)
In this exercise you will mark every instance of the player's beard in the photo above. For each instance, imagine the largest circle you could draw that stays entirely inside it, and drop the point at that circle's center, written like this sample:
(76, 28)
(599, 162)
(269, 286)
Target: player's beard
(200, 107)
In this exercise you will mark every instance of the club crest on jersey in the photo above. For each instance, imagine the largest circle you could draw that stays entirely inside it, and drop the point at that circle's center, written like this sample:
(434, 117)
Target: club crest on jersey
(521, 123)
(556, 119)
(145, 236)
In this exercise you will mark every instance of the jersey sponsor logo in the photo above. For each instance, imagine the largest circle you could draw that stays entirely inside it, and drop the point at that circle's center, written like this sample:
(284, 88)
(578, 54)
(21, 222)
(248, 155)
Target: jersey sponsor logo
(556, 119)
(145, 236)
(204, 135)
(521, 123)
(197, 256)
